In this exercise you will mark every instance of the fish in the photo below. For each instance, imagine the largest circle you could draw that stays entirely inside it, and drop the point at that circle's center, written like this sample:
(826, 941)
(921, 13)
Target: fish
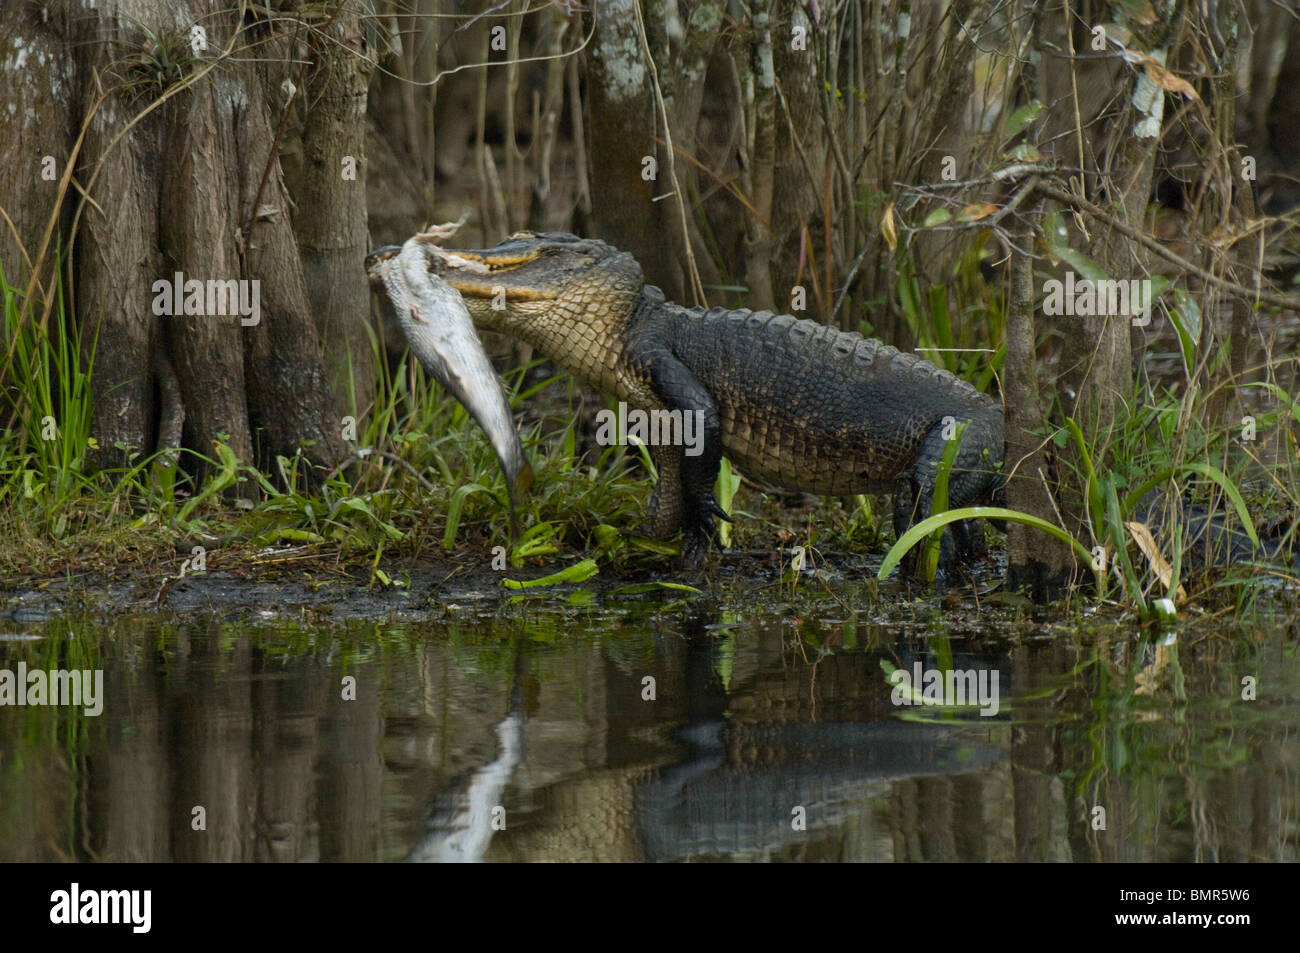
(438, 327)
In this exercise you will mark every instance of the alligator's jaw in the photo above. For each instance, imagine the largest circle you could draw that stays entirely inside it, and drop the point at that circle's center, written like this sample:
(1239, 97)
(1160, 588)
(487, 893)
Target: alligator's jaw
(441, 334)
(512, 284)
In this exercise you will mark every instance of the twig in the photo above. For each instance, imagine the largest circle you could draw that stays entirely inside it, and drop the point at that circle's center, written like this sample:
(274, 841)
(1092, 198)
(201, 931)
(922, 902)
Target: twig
(363, 455)
(848, 282)
(1146, 241)
(582, 188)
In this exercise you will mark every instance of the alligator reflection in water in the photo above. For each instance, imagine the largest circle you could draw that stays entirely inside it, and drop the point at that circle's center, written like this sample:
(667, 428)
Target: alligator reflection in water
(750, 780)
(811, 778)
(537, 716)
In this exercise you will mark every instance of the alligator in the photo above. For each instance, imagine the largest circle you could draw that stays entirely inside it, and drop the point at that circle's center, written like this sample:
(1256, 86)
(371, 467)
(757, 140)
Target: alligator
(793, 402)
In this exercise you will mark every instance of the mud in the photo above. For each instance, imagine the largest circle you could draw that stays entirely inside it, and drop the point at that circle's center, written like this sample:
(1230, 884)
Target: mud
(444, 589)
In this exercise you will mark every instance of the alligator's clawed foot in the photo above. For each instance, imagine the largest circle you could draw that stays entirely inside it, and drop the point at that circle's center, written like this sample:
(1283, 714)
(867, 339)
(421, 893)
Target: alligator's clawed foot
(695, 548)
(950, 559)
(700, 532)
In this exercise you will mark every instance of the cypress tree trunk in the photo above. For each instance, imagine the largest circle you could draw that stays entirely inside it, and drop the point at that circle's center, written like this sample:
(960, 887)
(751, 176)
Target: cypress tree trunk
(180, 172)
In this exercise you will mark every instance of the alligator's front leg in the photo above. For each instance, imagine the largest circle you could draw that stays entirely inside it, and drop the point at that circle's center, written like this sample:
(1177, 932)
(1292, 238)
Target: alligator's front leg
(664, 514)
(688, 472)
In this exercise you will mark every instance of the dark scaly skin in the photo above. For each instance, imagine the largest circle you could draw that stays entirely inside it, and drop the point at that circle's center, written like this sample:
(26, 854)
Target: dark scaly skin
(793, 402)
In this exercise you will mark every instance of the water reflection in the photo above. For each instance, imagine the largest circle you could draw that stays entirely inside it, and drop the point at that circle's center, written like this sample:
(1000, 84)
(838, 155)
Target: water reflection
(583, 735)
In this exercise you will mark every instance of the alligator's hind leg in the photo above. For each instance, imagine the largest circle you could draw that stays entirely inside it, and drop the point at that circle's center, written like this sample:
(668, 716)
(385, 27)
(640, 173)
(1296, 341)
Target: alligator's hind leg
(914, 497)
(912, 501)
(969, 538)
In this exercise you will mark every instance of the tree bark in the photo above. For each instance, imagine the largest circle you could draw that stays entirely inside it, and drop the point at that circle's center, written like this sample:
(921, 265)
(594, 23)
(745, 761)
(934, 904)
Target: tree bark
(180, 174)
(329, 220)
(759, 240)
(1036, 562)
(622, 123)
(200, 215)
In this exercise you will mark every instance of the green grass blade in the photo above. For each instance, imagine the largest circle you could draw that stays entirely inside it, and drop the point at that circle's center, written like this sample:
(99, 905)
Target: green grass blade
(922, 529)
(1204, 469)
(578, 572)
(1096, 505)
(939, 500)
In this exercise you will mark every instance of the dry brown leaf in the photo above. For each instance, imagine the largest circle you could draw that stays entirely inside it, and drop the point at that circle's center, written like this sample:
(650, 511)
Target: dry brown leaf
(973, 213)
(1166, 80)
(1146, 542)
(1145, 16)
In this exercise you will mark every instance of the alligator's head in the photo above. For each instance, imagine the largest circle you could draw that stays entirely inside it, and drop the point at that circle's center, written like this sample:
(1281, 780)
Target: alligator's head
(515, 284)
(550, 288)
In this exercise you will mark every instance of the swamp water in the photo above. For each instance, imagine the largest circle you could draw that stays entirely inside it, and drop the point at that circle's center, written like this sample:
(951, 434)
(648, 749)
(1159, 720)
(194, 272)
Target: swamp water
(592, 727)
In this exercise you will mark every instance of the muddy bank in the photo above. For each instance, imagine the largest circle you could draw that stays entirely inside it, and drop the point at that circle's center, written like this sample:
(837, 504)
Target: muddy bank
(428, 588)
(444, 589)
